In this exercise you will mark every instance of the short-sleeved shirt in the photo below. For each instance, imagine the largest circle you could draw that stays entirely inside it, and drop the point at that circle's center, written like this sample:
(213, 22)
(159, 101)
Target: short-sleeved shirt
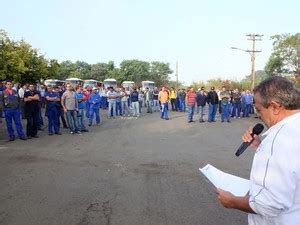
(52, 104)
(112, 94)
(69, 98)
(31, 106)
(275, 176)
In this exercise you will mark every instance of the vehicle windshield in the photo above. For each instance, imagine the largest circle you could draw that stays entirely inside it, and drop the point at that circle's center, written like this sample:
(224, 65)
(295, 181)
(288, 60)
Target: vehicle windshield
(148, 85)
(110, 83)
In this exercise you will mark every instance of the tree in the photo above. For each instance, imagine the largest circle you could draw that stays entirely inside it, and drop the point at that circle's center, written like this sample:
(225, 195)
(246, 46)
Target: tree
(99, 71)
(65, 70)
(134, 70)
(286, 54)
(53, 68)
(159, 73)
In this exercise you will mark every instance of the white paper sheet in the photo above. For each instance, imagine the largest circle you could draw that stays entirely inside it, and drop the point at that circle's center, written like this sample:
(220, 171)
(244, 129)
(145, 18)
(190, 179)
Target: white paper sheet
(236, 185)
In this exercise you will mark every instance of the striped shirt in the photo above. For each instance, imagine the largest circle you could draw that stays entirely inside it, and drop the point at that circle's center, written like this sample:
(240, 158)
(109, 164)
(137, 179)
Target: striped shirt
(191, 98)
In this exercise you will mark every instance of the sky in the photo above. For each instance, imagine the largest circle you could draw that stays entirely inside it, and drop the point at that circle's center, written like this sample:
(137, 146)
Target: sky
(198, 34)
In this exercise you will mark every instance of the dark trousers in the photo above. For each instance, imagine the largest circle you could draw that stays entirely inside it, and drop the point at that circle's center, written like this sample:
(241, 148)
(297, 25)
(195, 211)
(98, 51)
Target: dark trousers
(173, 104)
(32, 123)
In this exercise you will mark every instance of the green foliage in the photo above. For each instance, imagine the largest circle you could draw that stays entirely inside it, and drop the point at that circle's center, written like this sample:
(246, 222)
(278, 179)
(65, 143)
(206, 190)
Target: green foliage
(286, 54)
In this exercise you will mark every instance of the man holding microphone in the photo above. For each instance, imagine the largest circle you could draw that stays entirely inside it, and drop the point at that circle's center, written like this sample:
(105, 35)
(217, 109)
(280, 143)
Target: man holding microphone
(274, 196)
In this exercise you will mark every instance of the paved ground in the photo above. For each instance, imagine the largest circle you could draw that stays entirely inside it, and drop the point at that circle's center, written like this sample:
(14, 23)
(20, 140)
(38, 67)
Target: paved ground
(124, 172)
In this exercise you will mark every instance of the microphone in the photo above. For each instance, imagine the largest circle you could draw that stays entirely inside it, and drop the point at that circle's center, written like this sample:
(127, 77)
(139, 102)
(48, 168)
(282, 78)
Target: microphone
(257, 129)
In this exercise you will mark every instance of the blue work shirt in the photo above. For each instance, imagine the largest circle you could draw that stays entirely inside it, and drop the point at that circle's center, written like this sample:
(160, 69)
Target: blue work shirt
(95, 98)
(247, 99)
(81, 102)
(50, 104)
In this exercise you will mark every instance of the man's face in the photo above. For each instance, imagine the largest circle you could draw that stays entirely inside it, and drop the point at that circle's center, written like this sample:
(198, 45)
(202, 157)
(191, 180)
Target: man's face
(50, 89)
(266, 114)
(9, 85)
(69, 88)
(31, 87)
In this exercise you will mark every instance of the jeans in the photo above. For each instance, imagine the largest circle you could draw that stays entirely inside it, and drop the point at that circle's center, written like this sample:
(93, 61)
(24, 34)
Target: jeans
(164, 111)
(125, 109)
(212, 110)
(87, 109)
(246, 110)
(201, 111)
(191, 111)
(13, 115)
(111, 109)
(149, 106)
(156, 107)
(94, 110)
(140, 106)
(182, 105)
(118, 108)
(72, 120)
(81, 119)
(225, 111)
(135, 108)
(173, 104)
(236, 109)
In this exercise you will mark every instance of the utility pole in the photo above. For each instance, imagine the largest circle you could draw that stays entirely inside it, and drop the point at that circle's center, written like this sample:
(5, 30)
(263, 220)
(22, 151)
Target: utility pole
(176, 74)
(253, 38)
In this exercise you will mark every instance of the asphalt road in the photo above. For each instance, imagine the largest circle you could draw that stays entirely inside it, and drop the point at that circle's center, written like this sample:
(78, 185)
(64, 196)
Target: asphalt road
(124, 172)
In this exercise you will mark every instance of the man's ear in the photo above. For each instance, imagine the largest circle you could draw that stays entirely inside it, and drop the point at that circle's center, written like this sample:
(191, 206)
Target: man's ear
(276, 107)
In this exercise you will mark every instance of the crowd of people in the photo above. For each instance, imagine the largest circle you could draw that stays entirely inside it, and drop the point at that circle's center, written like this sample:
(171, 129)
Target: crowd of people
(71, 106)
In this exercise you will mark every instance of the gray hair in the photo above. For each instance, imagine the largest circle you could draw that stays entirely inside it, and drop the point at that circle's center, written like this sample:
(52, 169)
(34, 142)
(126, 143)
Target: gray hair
(280, 90)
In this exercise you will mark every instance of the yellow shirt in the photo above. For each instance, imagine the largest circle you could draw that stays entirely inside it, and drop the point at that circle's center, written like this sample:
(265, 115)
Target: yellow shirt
(173, 94)
(163, 96)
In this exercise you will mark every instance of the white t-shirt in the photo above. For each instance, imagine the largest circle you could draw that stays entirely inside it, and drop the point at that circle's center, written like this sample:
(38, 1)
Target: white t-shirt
(275, 176)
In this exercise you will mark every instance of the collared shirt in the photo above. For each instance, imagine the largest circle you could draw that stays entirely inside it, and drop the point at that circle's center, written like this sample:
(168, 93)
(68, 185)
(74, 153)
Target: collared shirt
(275, 176)
(163, 96)
(112, 96)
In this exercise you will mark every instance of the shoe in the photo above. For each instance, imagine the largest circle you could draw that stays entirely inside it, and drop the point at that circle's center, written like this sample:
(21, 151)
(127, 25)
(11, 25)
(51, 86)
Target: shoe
(201, 121)
(57, 133)
(41, 129)
(77, 132)
(35, 136)
(29, 137)
(228, 121)
(167, 119)
(50, 134)
(222, 121)
(84, 130)
(71, 132)
(11, 138)
(23, 138)
(90, 124)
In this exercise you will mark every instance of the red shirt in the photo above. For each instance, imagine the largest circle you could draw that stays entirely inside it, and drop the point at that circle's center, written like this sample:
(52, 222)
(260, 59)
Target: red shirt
(191, 98)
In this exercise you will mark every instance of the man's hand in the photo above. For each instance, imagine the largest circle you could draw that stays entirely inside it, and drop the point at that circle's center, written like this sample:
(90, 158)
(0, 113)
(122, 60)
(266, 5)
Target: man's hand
(247, 138)
(229, 200)
(65, 110)
(225, 198)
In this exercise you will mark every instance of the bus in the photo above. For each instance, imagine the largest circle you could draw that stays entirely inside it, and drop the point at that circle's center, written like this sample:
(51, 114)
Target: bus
(74, 81)
(53, 82)
(128, 85)
(92, 83)
(110, 83)
(148, 84)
